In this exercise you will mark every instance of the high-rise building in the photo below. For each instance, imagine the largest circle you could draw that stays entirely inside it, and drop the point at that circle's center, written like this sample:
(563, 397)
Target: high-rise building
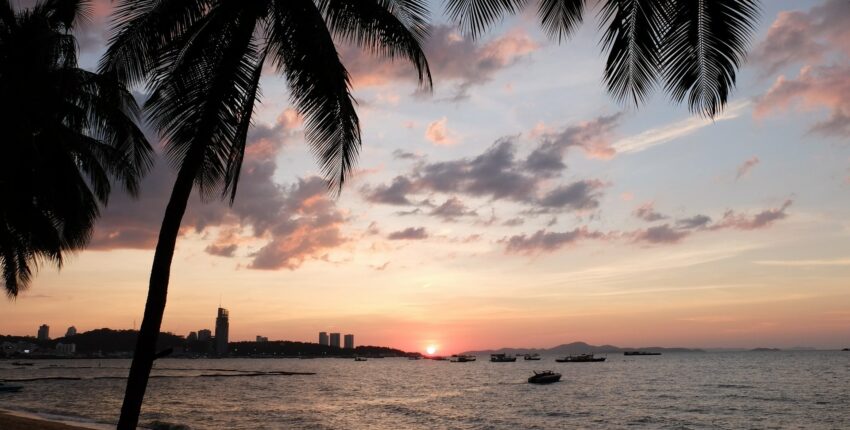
(262, 339)
(44, 332)
(193, 337)
(66, 348)
(349, 341)
(72, 331)
(323, 338)
(334, 340)
(222, 327)
(204, 335)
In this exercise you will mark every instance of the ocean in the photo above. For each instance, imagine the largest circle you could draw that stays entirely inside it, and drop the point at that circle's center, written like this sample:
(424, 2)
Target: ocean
(712, 390)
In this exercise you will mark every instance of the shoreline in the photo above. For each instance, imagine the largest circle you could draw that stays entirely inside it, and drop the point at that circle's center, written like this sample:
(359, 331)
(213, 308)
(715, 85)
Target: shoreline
(18, 420)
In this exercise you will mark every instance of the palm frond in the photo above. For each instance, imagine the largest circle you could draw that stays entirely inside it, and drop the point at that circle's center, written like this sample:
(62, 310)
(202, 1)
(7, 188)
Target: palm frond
(703, 49)
(560, 18)
(319, 84)
(475, 16)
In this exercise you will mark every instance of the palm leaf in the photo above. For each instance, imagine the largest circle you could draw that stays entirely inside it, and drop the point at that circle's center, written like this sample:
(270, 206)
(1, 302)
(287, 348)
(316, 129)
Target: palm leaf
(560, 18)
(475, 16)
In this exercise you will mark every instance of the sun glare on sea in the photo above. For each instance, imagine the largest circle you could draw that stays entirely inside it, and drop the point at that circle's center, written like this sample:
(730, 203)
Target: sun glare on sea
(431, 349)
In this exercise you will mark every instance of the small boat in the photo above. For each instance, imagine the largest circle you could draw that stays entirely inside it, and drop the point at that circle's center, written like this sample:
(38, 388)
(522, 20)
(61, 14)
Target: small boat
(502, 358)
(544, 377)
(531, 357)
(640, 353)
(581, 358)
(21, 363)
(360, 359)
(9, 388)
(846, 349)
(462, 358)
(414, 357)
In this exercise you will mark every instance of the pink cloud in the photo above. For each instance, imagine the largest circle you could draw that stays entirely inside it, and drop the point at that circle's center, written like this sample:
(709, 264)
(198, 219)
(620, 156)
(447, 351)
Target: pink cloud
(647, 212)
(438, 133)
(745, 168)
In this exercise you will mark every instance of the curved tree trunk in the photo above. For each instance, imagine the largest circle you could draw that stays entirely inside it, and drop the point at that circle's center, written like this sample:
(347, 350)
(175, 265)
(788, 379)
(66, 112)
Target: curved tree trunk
(145, 352)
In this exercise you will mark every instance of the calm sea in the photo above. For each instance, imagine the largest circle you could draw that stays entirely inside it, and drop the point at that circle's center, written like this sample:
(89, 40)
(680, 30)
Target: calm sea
(752, 390)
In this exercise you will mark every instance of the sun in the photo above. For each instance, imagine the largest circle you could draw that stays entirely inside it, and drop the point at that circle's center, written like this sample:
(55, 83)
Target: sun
(431, 349)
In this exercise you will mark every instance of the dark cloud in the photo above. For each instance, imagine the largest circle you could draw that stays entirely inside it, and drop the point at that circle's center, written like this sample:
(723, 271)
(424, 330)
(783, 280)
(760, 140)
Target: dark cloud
(580, 195)
(547, 241)
(222, 250)
(661, 234)
(765, 218)
(394, 194)
(593, 137)
(410, 233)
(514, 222)
(648, 213)
(398, 154)
(694, 222)
(452, 209)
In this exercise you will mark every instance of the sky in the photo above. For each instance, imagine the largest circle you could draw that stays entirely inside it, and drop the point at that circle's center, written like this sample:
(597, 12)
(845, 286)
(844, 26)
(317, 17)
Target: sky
(518, 205)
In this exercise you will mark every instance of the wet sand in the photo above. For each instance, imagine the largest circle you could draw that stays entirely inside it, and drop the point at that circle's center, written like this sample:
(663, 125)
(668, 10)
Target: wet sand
(13, 422)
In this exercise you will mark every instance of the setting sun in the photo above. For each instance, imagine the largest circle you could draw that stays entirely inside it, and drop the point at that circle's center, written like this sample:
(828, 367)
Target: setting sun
(431, 349)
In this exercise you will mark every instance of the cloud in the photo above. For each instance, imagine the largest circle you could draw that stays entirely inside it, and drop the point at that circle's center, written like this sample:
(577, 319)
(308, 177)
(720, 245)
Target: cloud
(592, 136)
(453, 57)
(661, 234)
(394, 194)
(452, 209)
(547, 241)
(694, 222)
(438, 133)
(804, 37)
(513, 222)
(398, 154)
(647, 212)
(410, 233)
(580, 195)
(670, 132)
(765, 218)
(221, 250)
(745, 168)
(817, 86)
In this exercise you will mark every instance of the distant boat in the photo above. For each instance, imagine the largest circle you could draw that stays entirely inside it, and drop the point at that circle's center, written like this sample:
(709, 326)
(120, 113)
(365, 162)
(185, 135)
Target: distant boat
(414, 357)
(581, 358)
(360, 359)
(641, 353)
(21, 363)
(544, 377)
(462, 358)
(9, 388)
(846, 349)
(531, 357)
(502, 358)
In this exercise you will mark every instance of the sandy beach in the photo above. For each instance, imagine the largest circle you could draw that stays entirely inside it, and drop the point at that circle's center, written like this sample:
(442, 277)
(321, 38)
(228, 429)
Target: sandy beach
(14, 422)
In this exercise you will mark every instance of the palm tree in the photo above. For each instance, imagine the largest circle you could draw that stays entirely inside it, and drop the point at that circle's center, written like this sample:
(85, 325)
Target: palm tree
(693, 46)
(67, 133)
(202, 61)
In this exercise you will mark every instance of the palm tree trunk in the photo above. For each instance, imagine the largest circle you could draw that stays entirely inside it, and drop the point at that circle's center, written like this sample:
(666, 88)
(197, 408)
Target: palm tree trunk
(145, 352)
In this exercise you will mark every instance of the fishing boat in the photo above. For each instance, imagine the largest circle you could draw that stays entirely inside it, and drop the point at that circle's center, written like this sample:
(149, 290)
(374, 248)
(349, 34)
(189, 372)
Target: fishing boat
(360, 359)
(531, 357)
(502, 358)
(581, 358)
(544, 377)
(462, 358)
(640, 353)
(9, 388)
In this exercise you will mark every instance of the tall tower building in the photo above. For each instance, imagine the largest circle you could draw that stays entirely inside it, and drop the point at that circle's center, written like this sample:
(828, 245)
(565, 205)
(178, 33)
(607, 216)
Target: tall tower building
(323, 338)
(349, 341)
(222, 327)
(335, 340)
(72, 331)
(44, 332)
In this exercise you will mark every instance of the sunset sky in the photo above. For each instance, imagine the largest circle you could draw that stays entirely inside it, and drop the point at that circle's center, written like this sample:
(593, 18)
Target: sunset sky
(518, 205)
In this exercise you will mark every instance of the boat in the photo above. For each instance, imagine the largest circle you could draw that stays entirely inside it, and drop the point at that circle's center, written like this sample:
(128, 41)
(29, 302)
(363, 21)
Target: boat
(360, 359)
(531, 357)
(846, 349)
(9, 388)
(640, 353)
(414, 357)
(502, 358)
(21, 363)
(581, 358)
(462, 358)
(544, 377)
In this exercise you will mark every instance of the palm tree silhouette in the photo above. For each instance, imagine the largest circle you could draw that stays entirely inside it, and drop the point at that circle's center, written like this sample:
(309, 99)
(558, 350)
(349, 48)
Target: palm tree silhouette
(202, 61)
(67, 134)
(693, 47)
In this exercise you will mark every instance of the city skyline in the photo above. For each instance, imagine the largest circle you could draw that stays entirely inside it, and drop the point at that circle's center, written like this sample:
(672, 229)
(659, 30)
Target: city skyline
(646, 226)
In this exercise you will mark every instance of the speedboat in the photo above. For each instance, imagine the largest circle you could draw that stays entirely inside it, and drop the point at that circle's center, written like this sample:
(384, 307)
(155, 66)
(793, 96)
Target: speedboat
(531, 357)
(462, 358)
(581, 358)
(502, 358)
(544, 377)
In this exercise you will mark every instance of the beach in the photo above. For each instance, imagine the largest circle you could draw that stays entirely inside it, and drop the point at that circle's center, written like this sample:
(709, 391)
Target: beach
(15, 422)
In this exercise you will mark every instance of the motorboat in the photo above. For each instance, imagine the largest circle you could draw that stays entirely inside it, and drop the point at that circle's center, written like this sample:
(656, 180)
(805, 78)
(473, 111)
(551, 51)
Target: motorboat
(531, 357)
(580, 358)
(414, 357)
(544, 377)
(360, 359)
(462, 358)
(502, 358)
(640, 353)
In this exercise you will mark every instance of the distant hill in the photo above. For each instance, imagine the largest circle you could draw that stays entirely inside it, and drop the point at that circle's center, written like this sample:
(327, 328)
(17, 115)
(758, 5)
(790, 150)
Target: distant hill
(288, 348)
(578, 348)
(109, 341)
